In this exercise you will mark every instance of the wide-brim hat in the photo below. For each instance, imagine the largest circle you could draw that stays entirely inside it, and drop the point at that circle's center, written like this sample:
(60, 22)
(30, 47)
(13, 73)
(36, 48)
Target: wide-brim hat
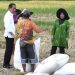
(25, 12)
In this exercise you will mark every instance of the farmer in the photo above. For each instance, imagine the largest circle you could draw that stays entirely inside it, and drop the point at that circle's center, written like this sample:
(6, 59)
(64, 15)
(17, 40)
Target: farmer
(9, 34)
(25, 30)
(60, 31)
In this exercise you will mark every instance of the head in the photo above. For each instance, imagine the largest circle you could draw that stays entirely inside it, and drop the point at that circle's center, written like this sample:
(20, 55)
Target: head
(16, 15)
(18, 11)
(62, 14)
(12, 7)
(26, 13)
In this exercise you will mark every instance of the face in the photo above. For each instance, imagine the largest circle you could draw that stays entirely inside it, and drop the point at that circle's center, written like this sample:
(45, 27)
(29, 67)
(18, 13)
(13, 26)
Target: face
(62, 16)
(13, 9)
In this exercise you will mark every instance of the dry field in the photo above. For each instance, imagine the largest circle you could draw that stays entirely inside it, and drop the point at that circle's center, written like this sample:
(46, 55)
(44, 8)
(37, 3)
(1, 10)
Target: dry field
(44, 15)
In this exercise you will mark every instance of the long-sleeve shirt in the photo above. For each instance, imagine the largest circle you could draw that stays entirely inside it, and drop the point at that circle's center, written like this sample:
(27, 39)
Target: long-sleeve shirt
(60, 33)
(9, 25)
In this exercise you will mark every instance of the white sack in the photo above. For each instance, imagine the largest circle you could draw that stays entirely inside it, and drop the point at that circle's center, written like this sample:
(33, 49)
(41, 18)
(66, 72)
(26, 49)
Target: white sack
(52, 63)
(68, 69)
(37, 74)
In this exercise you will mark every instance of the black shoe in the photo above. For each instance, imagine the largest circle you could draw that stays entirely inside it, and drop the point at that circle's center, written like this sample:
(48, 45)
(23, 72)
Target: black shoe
(7, 66)
(11, 66)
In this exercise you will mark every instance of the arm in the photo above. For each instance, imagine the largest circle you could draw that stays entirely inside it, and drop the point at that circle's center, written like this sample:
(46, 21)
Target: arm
(9, 24)
(35, 28)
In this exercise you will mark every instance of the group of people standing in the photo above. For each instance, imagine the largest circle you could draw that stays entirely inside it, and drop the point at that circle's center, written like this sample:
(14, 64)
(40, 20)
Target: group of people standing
(19, 24)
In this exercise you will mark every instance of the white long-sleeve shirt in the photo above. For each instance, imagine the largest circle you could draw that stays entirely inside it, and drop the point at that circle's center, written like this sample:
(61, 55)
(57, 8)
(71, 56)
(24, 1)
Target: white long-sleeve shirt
(9, 25)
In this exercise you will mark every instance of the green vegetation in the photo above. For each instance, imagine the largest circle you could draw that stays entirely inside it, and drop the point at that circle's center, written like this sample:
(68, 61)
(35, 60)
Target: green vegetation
(40, 8)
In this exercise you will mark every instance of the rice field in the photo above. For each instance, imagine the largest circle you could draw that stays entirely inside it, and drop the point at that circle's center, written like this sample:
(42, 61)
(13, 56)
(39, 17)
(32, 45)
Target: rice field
(43, 10)
(44, 16)
(38, 4)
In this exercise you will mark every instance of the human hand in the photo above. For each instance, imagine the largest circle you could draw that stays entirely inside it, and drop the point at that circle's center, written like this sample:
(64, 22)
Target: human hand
(12, 34)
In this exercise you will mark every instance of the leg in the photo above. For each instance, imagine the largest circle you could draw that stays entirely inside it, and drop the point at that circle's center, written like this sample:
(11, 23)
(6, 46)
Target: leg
(13, 49)
(32, 67)
(53, 50)
(32, 56)
(24, 67)
(8, 52)
(62, 50)
(23, 57)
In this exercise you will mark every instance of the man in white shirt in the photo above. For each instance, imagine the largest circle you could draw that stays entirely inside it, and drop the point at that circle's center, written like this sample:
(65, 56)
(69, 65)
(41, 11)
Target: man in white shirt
(9, 34)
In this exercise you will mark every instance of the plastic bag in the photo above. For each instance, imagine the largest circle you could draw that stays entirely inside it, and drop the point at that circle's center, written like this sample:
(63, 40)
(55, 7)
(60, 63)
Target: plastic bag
(17, 55)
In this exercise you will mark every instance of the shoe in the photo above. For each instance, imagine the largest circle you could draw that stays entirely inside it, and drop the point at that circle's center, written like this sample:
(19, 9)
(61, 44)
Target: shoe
(7, 66)
(11, 66)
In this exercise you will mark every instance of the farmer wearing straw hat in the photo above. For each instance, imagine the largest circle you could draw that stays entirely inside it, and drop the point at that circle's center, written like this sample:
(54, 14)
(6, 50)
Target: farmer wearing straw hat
(25, 30)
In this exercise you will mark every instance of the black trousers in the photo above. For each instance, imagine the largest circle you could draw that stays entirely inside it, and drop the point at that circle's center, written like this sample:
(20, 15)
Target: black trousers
(54, 48)
(8, 51)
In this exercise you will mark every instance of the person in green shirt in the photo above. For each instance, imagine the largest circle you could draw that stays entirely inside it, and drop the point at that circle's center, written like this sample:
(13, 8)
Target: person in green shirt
(60, 31)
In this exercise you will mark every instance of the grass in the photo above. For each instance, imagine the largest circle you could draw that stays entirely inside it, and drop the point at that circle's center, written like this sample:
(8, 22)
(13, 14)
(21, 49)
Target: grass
(38, 4)
(1, 18)
(20, 73)
(44, 25)
(39, 8)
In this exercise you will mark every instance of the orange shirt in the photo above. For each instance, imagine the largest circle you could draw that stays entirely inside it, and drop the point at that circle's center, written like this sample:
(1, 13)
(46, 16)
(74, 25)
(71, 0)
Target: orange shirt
(25, 29)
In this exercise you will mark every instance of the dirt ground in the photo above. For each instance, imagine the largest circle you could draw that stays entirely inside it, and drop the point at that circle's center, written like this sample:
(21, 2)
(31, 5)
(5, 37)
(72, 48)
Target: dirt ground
(44, 51)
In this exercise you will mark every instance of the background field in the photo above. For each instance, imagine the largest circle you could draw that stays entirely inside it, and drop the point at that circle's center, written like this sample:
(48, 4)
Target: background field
(44, 16)
(45, 10)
